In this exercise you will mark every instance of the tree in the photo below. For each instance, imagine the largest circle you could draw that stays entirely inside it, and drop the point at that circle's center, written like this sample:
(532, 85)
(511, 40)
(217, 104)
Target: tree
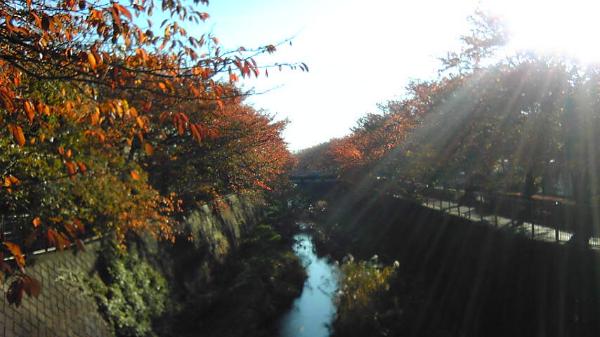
(93, 96)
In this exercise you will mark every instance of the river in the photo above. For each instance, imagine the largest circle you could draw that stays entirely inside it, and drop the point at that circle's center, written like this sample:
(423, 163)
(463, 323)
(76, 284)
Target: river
(312, 312)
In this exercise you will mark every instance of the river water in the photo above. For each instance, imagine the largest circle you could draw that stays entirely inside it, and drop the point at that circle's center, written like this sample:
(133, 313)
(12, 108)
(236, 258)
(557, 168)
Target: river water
(312, 312)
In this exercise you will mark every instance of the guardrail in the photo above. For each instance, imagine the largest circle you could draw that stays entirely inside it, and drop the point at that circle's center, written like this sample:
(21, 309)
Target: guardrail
(543, 217)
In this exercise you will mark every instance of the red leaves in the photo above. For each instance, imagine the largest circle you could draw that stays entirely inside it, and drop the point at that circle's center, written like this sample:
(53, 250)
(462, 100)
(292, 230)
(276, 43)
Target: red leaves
(122, 10)
(195, 130)
(180, 120)
(262, 185)
(24, 284)
(57, 239)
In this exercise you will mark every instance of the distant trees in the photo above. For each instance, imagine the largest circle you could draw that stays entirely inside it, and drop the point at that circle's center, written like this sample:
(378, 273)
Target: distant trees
(520, 123)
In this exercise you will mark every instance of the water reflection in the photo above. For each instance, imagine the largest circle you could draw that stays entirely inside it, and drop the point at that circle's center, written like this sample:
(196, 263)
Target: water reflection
(314, 310)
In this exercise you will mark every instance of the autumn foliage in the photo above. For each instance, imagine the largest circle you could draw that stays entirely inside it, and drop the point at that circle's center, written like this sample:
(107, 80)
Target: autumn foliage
(112, 122)
(519, 124)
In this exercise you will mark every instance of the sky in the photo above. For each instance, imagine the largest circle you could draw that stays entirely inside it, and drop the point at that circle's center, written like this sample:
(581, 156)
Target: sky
(361, 53)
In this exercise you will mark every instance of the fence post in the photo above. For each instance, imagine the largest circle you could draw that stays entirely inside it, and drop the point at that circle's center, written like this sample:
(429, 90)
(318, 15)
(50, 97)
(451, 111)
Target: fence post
(556, 236)
(532, 230)
(496, 219)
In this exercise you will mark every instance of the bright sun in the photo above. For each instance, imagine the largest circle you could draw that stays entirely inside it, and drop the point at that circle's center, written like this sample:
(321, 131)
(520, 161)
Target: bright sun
(569, 27)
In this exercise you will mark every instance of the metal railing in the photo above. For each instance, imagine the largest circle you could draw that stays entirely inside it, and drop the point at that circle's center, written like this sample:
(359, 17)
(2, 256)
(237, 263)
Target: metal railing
(543, 217)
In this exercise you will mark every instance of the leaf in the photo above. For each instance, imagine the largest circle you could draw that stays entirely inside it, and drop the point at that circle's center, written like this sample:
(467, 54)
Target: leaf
(140, 122)
(17, 134)
(57, 239)
(134, 175)
(162, 86)
(15, 250)
(95, 117)
(195, 129)
(91, 60)
(82, 167)
(29, 110)
(148, 148)
(71, 168)
(31, 286)
(36, 222)
(14, 295)
(122, 10)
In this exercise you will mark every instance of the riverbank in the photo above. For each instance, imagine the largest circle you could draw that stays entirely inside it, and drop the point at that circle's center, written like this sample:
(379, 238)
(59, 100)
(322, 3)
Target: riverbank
(256, 285)
(234, 275)
(457, 278)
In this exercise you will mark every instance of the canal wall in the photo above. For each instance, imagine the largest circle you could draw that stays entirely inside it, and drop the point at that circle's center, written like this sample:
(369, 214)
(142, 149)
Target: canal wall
(470, 279)
(210, 233)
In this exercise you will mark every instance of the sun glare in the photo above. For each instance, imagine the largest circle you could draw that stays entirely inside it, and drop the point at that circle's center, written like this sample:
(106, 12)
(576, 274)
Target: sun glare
(552, 26)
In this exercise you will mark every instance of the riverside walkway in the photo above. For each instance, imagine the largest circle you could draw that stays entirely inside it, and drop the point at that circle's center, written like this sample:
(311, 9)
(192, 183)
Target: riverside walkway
(530, 229)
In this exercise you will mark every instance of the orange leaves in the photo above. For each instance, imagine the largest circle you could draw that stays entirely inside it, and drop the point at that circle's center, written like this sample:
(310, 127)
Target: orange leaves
(15, 250)
(134, 175)
(195, 130)
(7, 98)
(11, 180)
(71, 168)
(17, 133)
(148, 148)
(180, 120)
(98, 134)
(262, 185)
(37, 222)
(162, 86)
(82, 167)
(29, 110)
(141, 122)
(166, 87)
(91, 60)
(95, 117)
(122, 10)
(57, 239)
